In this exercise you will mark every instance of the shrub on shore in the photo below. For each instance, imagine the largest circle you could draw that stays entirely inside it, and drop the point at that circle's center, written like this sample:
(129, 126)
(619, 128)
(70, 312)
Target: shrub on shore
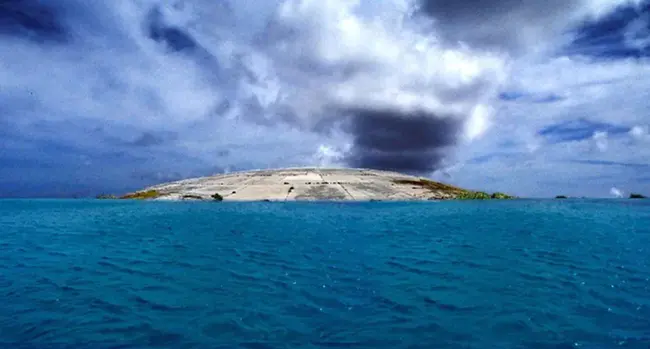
(502, 196)
(474, 195)
(451, 190)
(216, 197)
(142, 195)
(429, 184)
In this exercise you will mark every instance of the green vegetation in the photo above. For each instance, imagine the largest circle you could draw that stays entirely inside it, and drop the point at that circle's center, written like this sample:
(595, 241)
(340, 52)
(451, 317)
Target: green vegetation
(431, 185)
(458, 193)
(561, 197)
(636, 196)
(216, 197)
(502, 196)
(142, 195)
(474, 195)
(105, 196)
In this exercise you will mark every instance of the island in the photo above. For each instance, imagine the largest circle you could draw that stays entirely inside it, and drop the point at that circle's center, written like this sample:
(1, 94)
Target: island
(637, 196)
(310, 184)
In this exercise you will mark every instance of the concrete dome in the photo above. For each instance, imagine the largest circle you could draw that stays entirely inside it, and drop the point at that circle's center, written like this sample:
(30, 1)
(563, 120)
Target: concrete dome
(313, 184)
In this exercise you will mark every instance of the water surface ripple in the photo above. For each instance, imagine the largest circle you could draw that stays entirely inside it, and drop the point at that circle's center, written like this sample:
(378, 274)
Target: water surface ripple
(508, 274)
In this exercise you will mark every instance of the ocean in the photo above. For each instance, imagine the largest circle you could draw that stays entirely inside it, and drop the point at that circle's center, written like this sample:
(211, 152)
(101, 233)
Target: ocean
(485, 274)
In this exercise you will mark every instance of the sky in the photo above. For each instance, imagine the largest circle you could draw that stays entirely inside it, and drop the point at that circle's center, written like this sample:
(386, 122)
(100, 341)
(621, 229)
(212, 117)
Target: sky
(532, 98)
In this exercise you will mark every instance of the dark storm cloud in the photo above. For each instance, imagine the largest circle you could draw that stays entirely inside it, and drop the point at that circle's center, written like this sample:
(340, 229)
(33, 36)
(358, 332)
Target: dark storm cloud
(499, 24)
(37, 20)
(405, 142)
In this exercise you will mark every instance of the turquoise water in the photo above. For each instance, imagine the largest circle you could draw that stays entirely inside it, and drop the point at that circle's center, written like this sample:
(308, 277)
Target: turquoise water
(498, 274)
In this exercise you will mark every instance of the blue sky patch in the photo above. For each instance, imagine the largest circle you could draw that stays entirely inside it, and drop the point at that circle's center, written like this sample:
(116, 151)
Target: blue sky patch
(615, 35)
(575, 130)
(510, 96)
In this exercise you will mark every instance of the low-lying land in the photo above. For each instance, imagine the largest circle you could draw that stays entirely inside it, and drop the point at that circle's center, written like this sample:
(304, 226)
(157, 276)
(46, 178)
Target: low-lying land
(310, 184)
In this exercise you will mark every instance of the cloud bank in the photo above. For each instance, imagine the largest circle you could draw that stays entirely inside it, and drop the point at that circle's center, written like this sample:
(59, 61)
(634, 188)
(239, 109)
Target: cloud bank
(124, 94)
(390, 85)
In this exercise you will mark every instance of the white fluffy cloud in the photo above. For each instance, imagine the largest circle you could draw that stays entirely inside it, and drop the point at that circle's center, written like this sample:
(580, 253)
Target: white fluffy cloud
(640, 133)
(616, 192)
(371, 62)
(599, 108)
(600, 139)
